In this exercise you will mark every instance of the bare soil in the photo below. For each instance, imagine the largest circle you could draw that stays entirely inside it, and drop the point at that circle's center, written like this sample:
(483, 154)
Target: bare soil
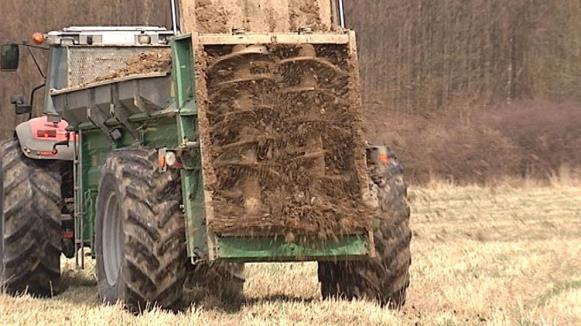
(282, 140)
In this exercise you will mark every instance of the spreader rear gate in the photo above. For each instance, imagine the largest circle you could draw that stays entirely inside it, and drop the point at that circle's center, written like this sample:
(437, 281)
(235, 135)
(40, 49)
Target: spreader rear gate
(282, 148)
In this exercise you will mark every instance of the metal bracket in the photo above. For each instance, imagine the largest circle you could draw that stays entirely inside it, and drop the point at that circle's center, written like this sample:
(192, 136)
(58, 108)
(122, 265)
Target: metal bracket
(80, 209)
(141, 104)
(119, 112)
(191, 174)
(98, 118)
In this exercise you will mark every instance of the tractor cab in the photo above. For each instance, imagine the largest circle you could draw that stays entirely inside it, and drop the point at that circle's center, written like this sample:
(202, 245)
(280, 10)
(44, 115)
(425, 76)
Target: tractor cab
(78, 56)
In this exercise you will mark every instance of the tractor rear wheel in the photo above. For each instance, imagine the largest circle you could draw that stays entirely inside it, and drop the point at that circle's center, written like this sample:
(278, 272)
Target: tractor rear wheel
(30, 242)
(140, 233)
(386, 277)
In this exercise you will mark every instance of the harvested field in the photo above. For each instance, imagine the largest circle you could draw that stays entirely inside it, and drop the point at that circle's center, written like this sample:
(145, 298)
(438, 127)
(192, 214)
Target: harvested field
(503, 255)
(282, 141)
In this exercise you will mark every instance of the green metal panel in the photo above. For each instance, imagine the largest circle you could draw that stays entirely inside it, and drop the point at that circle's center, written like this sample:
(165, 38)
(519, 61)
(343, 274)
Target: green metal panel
(277, 249)
(96, 147)
(174, 127)
(159, 133)
(191, 175)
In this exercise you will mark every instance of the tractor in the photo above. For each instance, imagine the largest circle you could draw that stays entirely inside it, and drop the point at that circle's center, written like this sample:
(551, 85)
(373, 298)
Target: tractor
(173, 157)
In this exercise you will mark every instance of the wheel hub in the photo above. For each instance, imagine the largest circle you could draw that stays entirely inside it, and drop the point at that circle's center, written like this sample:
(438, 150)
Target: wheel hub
(112, 240)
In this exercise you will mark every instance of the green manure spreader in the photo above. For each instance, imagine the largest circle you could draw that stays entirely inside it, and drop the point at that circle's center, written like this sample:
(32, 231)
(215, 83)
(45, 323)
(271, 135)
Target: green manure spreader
(173, 159)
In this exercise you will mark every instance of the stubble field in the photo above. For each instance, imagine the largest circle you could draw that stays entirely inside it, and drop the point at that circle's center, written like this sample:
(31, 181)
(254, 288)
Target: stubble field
(498, 255)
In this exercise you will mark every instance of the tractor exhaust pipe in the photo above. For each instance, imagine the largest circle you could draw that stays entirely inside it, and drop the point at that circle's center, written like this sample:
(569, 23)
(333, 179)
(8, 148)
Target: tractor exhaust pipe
(341, 13)
(174, 17)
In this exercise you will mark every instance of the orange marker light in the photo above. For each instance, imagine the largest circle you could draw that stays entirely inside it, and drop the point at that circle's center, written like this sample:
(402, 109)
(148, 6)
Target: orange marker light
(38, 38)
(161, 160)
(383, 158)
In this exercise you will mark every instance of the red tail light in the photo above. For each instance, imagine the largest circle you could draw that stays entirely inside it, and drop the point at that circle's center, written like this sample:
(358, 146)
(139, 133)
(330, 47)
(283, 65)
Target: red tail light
(46, 133)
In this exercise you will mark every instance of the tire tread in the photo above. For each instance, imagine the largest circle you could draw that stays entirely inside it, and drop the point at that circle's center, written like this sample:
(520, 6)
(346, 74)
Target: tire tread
(32, 229)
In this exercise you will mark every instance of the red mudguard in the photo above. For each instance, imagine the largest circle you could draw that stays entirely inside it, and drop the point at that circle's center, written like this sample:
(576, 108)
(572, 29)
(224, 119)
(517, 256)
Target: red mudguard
(38, 136)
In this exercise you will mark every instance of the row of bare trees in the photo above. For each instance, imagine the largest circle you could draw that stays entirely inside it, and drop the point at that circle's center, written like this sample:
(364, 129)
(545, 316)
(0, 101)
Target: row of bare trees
(430, 55)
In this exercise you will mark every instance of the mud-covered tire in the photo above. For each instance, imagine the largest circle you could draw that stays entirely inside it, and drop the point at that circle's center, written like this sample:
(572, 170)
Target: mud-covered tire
(386, 277)
(30, 246)
(146, 267)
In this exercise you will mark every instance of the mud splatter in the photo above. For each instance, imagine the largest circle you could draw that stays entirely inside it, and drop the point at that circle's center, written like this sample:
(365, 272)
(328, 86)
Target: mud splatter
(141, 63)
(211, 18)
(305, 13)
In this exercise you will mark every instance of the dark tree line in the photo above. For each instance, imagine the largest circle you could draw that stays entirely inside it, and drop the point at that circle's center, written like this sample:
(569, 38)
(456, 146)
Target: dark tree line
(429, 55)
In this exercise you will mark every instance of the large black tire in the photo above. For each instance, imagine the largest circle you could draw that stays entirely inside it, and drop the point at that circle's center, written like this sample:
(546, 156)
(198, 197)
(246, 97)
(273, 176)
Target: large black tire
(151, 266)
(386, 277)
(30, 245)
(140, 233)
